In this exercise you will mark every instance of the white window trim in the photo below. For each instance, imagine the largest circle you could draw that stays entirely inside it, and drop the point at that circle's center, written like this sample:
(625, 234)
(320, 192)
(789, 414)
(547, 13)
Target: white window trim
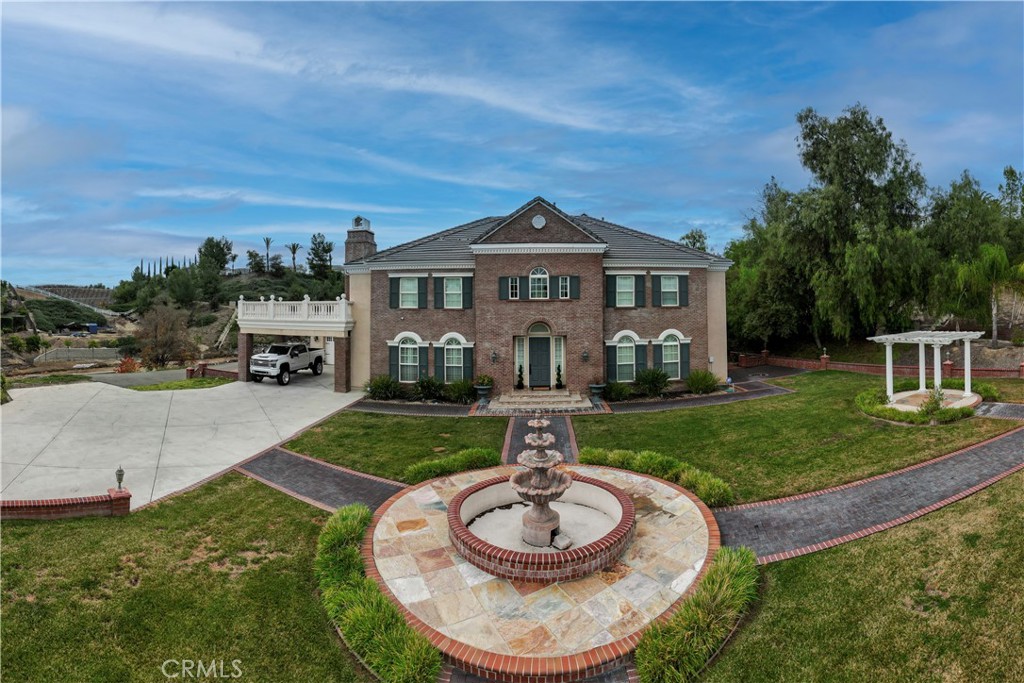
(637, 339)
(663, 290)
(619, 364)
(513, 280)
(678, 361)
(683, 339)
(444, 293)
(402, 335)
(456, 336)
(401, 281)
(632, 292)
(568, 286)
(547, 284)
(415, 365)
(444, 349)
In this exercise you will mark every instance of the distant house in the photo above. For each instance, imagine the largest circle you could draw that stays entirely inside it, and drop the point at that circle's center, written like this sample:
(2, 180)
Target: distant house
(538, 292)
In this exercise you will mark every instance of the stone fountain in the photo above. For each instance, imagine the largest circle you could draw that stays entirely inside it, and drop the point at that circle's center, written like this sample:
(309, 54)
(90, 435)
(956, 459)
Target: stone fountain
(540, 484)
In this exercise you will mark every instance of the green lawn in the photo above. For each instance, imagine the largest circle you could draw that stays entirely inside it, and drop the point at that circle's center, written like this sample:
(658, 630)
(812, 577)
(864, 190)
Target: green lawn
(221, 573)
(938, 599)
(385, 445)
(177, 385)
(1010, 390)
(47, 380)
(782, 445)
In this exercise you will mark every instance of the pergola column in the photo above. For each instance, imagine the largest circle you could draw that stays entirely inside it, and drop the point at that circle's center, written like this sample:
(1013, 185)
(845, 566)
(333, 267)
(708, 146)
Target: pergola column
(938, 365)
(922, 368)
(967, 366)
(888, 370)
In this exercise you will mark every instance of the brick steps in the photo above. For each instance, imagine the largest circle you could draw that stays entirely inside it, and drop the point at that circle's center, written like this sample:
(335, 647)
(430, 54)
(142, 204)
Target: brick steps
(556, 399)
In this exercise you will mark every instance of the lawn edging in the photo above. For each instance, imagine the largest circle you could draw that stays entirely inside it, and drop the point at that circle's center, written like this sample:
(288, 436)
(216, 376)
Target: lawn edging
(370, 625)
(466, 459)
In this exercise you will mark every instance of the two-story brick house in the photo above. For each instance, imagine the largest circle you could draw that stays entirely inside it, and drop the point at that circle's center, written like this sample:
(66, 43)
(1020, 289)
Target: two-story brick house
(539, 292)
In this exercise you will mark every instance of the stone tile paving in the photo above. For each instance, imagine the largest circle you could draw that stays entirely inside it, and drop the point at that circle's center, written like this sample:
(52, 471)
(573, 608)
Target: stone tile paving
(1006, 411)
(753, 389)
(617, 676)
(318, 481)
(559, 426)
(790, 524)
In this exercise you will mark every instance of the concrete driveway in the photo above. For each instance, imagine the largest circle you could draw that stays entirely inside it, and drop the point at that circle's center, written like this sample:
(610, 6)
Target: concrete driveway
(67, 441)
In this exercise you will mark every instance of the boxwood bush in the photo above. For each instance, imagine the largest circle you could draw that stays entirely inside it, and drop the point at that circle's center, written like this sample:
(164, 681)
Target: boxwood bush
(372, 626)
(468, 459)
(429, 389)
(713, 491)
(678, 649)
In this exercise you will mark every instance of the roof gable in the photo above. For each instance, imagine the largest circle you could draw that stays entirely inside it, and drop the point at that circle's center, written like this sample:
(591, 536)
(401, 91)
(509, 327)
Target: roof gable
(538, 221)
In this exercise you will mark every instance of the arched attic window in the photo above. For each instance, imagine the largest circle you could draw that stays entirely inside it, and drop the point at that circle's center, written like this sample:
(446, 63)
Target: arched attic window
(538, 283)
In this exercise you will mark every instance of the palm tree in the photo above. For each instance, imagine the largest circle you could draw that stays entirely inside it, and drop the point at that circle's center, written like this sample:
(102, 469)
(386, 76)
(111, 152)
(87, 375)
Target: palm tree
(987, 275)
(267, 241)
(233, 258)
(293, 247)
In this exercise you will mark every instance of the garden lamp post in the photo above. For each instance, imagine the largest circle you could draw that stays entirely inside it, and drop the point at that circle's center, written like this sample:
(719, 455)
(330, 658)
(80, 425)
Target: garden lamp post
(119, 474)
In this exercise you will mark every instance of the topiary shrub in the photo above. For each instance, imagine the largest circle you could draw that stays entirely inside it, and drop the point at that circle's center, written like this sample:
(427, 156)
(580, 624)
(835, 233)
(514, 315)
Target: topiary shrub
(468, 459)
(702, 382)
(461, 391)
(383, 388)
(428, 389)
(678, 649)
(713, 491)
(616, 391)
(651, 381)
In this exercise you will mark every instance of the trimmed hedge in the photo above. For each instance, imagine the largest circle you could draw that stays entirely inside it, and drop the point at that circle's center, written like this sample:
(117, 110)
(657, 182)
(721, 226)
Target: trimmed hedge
(468, 459)
(373, 627)
(873, 402)
(678, 649)
(709, 488)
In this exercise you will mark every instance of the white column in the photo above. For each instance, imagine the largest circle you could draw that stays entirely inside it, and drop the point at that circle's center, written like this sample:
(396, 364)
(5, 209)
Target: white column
(888, 370)
(922, 368)
(967, 366)
(938, 365)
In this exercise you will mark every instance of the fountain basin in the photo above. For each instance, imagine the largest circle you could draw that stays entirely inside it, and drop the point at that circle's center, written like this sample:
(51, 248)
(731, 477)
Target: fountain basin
(544, 565)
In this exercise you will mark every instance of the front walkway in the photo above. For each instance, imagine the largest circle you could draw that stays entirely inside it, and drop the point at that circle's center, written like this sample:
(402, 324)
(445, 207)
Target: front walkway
(1005, 411)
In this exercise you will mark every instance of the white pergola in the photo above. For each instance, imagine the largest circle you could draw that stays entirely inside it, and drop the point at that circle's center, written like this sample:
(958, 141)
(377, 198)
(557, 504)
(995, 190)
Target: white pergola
(936, 340)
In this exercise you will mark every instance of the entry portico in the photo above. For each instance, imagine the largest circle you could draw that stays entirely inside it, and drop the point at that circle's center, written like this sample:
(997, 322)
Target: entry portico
(936, 340)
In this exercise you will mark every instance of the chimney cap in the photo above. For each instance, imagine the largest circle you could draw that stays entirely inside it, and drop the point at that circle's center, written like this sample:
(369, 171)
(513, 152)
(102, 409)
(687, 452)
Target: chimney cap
(360, 223)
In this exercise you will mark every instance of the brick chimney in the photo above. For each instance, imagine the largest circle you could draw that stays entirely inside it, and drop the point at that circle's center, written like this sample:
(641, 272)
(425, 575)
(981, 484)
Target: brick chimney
(360, 242)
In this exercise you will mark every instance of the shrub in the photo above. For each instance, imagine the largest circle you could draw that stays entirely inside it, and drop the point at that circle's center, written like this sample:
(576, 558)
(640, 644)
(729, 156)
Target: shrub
(461, 391)
(933, 403)
(33, 343)
(93, 344)
(678, 649)
(1018, 338)
(987, 391)
(128, 364)
(429, 389)
(702, 382)
(873, 402)
(468, 459)
(16, 343)
(383, 388)
(128, 346)
(713, 491)
(484, 381)
(651, 381)
(202, 320)
(616, 391)
(372, 626)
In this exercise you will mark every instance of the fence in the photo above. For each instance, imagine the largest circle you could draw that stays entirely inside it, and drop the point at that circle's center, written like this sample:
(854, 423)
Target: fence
(78, 354)
(752, 360)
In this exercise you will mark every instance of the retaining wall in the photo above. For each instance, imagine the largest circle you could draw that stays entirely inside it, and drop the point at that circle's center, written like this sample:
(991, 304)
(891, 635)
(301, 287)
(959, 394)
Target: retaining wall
(114, 504)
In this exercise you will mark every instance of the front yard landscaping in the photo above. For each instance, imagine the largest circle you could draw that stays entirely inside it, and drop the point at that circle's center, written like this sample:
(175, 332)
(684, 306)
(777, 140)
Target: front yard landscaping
(783, 445)
(385, 445)
(938, 599)
(47, 380)
(1010, 390)
(178, 385)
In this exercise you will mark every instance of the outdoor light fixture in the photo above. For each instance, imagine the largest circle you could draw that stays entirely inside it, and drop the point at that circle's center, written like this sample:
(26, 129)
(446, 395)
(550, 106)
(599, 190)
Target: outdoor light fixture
(119, 474)
(586, 356)
(494, 356)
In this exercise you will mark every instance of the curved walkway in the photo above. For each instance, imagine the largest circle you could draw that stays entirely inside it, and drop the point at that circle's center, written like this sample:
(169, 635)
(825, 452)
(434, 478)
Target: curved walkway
(789, 527)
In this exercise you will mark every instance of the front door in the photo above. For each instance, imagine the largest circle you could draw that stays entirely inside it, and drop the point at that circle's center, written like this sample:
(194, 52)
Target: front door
(540, 361)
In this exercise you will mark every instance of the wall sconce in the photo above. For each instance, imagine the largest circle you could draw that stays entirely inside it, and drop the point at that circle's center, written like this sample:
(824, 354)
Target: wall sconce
(586, 356)
(494, 356)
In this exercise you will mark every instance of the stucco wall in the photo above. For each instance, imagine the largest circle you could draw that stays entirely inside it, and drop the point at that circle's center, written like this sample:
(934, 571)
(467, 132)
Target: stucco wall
(716, 314)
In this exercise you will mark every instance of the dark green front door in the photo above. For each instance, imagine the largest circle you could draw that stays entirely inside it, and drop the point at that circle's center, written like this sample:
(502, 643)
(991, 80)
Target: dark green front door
(540, 361)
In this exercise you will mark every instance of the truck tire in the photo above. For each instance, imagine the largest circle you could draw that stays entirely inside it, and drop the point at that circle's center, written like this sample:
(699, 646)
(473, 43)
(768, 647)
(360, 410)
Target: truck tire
(318, 366)
(257, 378)
(284, 376)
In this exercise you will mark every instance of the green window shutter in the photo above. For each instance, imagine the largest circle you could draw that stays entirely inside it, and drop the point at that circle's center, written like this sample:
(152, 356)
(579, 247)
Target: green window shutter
(574, 286)
(656, 290)
(467, 292)
(438, 361)
(438, 292)
(684, 290)
(684, 360)
(524, 288)
(609, 291)
(394, 283)
(641, 356)
(656, 363)
(639, 294)
(423, 362)
(610, 360)
(393, 361)
(467, 362)
(423, 292)
(503, 289)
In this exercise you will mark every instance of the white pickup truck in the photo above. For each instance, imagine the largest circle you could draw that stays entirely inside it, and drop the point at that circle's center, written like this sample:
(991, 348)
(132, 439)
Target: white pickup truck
(281, 360)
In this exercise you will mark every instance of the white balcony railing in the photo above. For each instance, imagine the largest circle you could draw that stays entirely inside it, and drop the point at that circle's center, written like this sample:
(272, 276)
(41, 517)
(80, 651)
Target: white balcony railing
(305, 314)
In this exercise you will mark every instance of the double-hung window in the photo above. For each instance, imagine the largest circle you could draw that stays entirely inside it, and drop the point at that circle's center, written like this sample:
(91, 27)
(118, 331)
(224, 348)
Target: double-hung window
(452, 361)
(513, 287)
(563, 287)
(408, 360)
(408, 293)
(625, 286)
(453, 292)
(625, 360)
(670, 356)
(669, 290)
(538, 283)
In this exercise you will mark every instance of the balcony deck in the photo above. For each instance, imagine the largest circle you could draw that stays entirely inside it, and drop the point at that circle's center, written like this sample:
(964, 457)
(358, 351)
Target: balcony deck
(332, 318)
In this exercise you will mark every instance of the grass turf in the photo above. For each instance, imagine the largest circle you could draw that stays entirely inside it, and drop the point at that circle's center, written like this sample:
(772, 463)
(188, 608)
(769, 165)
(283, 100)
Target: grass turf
(1010, 390)
(46, 380)
(938, 599)
(177, 385)
(385, 445)
(783, 445)
(222, 573)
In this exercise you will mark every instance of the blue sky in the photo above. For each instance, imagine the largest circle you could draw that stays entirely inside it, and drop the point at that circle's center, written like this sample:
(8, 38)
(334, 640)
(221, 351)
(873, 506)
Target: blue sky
(135, 130)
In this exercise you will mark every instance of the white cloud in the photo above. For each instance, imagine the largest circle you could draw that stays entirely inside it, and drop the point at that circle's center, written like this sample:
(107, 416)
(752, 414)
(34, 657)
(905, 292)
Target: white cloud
(245, 196)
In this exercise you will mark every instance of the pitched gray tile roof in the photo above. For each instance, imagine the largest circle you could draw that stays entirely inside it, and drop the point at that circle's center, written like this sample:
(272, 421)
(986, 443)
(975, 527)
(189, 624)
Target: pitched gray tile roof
(452, 247)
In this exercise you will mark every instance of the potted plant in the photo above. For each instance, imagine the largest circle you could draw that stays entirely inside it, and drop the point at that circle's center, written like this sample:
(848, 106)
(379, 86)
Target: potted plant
(483, 385)
(519, 379)
(596, 388)
(558, 377)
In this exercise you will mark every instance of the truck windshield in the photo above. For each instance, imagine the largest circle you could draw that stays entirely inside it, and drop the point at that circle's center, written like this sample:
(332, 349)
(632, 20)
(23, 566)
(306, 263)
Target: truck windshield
(278, 350)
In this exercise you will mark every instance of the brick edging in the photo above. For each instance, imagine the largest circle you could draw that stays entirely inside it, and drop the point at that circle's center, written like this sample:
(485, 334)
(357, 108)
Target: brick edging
(831, 543)
(524, 669)
(852, 484)
(507, 444)
(115, 503)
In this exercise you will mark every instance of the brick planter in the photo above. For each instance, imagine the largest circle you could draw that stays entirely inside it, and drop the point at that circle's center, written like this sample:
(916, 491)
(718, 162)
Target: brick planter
(539, 567)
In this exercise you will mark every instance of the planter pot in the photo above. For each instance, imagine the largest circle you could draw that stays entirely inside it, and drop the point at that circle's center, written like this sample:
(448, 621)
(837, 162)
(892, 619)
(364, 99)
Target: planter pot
(482, 392)
(596, 390)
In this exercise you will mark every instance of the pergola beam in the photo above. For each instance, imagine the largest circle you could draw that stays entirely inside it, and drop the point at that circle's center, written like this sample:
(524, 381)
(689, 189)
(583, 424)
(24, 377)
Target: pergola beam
(936, 340)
